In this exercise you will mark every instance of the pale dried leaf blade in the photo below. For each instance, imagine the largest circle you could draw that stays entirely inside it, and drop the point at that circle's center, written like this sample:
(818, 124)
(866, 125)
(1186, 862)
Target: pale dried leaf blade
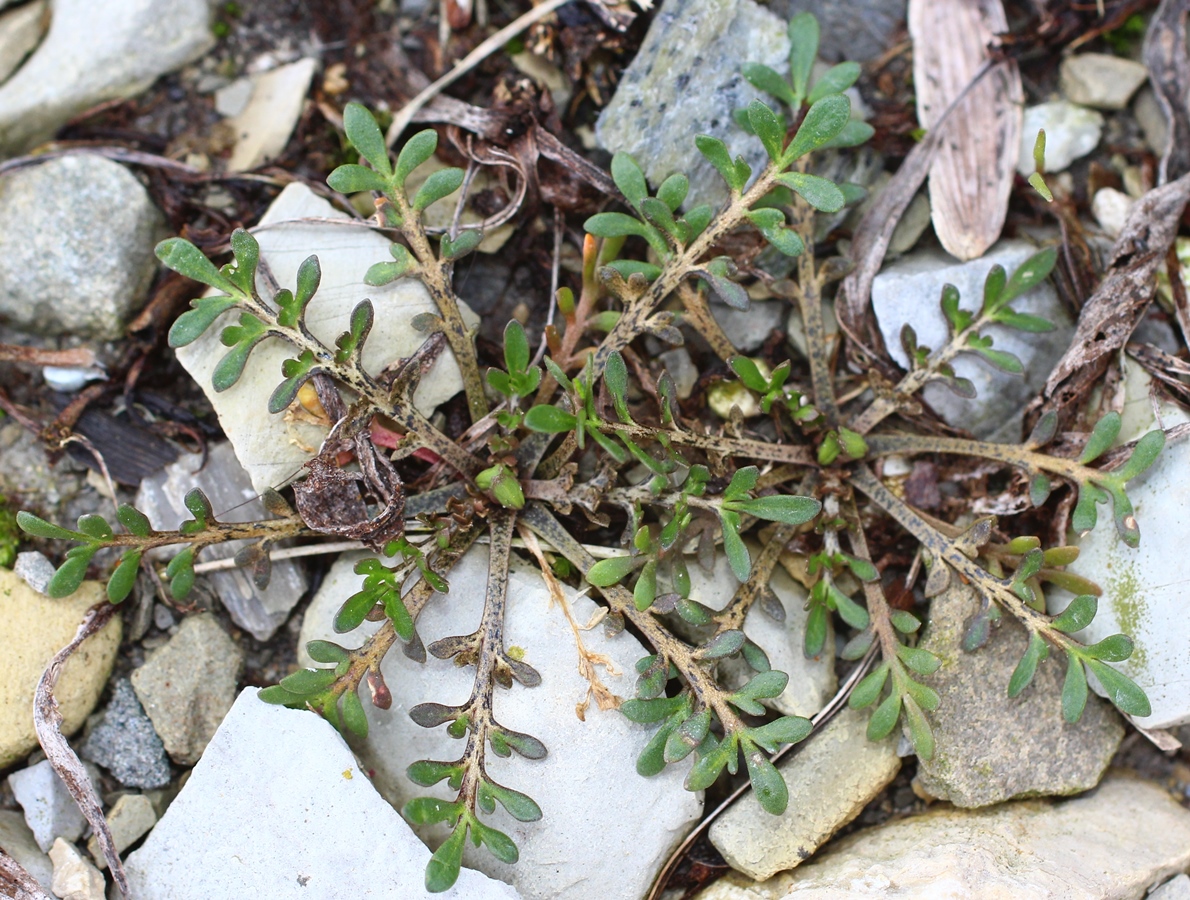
(972, 173)
(1169, 71)
(47, 720)
(16, 882)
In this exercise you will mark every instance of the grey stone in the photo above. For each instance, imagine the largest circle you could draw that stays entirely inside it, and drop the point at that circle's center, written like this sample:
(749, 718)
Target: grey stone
(262, 128)
(1151, 119)
(811, 681)
(1071, 131)
(908, 292)
(1144, 588)
(188, 686)
(78, 234)
(1100, 80)
(849, 29)
(990, 748)
(1110, 208)
(1177, 888)
(1110, 844)
(96, 52)
(74, 876)
(17, 841)
(679, 87)
(595, 840)
(830, 781)
(50, 811)
(748, 329)
(226, 484)
(681, 368)
(269, 447)
(21, 30)
(125, 744)
(35, 569)
(278, 807)
(129, 819)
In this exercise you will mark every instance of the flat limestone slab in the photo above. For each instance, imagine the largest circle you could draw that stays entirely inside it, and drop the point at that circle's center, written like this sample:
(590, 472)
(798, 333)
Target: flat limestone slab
(271, 450)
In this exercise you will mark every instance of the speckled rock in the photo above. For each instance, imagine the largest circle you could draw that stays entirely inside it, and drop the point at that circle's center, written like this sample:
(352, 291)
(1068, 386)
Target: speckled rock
(830, 781)
(188, 686)
(586, 785)
(676, 89)
(78, 234)
(271, 449)
(46, 626)
(96, 52)
(1111, 844)
(991, 748)
(123, 742)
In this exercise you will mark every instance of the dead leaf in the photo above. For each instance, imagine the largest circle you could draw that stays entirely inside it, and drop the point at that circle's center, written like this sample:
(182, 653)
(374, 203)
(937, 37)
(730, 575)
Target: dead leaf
(47, 720)
(1118, 304)
(972, 173)
(17, 883)
(1169, 71)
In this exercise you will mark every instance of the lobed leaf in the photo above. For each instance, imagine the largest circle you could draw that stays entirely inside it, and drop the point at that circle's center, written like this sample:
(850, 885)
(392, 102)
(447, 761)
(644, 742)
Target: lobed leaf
(1077, 615)
(187, 260)
(440, 184)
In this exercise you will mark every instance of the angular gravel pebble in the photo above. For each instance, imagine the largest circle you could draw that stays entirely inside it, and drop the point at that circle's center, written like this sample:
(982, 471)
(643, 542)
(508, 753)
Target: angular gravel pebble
(125, 743)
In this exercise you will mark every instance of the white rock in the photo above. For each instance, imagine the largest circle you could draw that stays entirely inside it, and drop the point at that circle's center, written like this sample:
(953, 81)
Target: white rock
(681, 368)
(74, 877)
(1101, 80)
(231, 99)
(1177, 888)
(35, 569)
(262, 128)
(18, 842)
(128, 820)
(20, 31)
(605, 830)
(279, 808)
(1144, 589)
(96, 52)
(270, 450)
(830, 781)
(1071, 131)
(748, 329)
(1109, 844)
(1110, 208)
(71, 379)
(50, 811)
(908, 291)
(224, 481)
(811, 681)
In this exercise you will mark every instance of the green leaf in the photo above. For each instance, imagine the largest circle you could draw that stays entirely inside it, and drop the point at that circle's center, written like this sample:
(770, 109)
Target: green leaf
(442, 871)
(135, 521)
(428, 772)
(769, 127)
(785, 730)
(763, 78)
(1074, 689)
(834, 80)
(787, 508)
(243, 339)
(428, 810)
(616, 224)
(1023, 321)
(191, 324)
(629, 179)
(353, 179)
(645, 591)
(803, 50)
(383, 273)
(920, 733)
(325, 652)
(1143, 455)
(816, 629)
(611, 571)
(767, 783)
(707, 767)
(465, 243)
(1121, 690)
(904, 622)
(365, 136)
(1083, 519)
(823, 121)
(186, 259)
(742, 481)
(673, 191)
(854, 133)
(868, 690)
(1002, 360)
(1039, 489)
(516, 347)
(646, 711)
(851, 612)
(884, 719)
(120, 585)
(821, 193)
(66, 580)
(247, 258)
(723, 644)
(1077, 615)
(31, 524)
(749, 374)
(180, 573)
(733, 545)
(993, 288)
(355, 719)
(549, 419)
(353, 611)
(296, 372)
(307, 682)
(520, 806)
(416, 151)
(715, 152)
(1032, 272)
(1104, 434)
(687, 737)
(1113, 648)
(440, 184)
(923, 662)
(524, 744)
(501, 845)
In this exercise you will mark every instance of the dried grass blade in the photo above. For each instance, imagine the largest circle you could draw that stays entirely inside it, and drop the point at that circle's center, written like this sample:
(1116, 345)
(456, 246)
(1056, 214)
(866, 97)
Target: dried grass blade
(972, 173)
(1169, 71)
(47, 720)
(17, 883)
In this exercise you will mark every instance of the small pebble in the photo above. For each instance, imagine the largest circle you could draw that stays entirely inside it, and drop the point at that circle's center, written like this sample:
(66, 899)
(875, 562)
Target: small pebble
(129, 820)
(35, 569)
(125, 743)
(74, 877)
